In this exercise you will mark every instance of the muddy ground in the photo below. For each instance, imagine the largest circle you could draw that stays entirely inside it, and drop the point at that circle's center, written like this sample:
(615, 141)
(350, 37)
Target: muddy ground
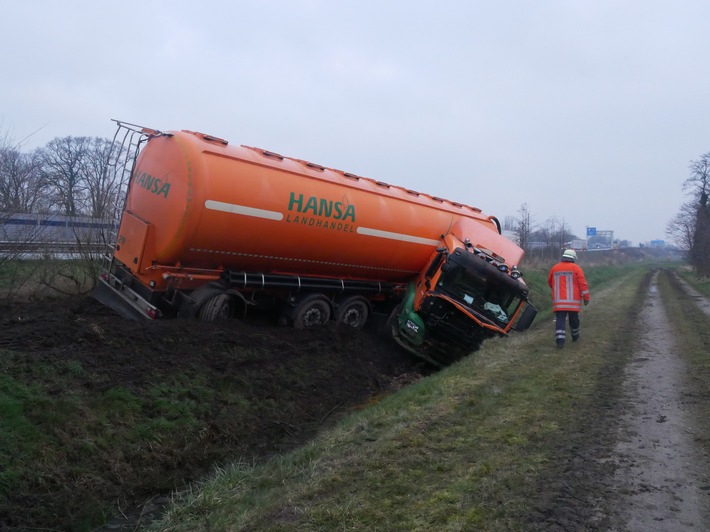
(662, 479)
(297, 381)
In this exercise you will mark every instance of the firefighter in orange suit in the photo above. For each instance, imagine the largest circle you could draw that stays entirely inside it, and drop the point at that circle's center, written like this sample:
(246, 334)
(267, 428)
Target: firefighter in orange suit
(569, 290)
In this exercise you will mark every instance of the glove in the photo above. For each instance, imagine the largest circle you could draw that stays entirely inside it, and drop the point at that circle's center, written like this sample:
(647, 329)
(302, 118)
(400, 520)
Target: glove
(586, 302)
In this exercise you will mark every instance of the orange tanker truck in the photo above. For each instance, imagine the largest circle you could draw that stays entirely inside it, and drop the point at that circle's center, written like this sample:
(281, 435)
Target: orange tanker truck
(210, 230)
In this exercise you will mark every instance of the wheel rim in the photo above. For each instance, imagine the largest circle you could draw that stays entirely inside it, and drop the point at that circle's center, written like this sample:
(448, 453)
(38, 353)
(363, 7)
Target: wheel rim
(313, 317)
(312, 313)
(354, 315)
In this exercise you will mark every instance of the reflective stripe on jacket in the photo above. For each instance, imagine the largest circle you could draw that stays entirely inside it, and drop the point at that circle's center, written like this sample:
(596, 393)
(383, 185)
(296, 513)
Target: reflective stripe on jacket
(569, 287)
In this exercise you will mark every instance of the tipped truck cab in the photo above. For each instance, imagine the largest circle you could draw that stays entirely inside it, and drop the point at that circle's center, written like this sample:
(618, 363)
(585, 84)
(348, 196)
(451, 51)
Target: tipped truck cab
(468, 293)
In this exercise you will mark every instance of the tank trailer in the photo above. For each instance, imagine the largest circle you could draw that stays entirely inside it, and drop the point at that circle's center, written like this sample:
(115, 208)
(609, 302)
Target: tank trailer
(210, 230)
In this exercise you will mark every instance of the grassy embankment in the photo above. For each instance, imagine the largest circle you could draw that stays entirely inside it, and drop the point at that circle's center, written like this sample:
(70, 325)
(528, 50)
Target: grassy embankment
(481, 445)
(701, 285)
(49, 277)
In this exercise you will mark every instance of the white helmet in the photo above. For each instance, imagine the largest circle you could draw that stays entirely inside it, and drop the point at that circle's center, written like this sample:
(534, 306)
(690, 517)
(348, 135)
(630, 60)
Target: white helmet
(570, 255)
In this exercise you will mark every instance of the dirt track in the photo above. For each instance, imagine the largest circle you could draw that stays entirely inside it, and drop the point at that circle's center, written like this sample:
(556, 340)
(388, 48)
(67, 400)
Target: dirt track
(660, 483)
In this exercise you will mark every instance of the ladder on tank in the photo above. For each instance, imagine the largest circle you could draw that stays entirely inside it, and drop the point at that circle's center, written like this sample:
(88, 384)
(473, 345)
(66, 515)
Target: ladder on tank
(127, 142)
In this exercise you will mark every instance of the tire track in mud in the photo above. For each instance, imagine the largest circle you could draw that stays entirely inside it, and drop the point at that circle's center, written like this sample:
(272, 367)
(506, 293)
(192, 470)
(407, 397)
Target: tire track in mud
(659, 480)
(700, 300)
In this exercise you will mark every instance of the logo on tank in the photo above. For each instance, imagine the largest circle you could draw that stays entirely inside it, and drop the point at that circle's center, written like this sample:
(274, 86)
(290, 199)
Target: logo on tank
(152, 184)
(321, 213)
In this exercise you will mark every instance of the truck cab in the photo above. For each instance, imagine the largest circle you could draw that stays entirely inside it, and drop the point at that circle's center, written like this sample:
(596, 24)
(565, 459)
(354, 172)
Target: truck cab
(466, 294)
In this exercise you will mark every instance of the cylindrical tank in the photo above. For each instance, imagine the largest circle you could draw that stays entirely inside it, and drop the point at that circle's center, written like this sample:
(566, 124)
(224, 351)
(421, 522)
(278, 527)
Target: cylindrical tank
(204, 204)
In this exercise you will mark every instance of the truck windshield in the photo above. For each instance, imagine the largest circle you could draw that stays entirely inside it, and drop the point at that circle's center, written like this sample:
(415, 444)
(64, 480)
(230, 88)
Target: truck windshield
(481, 287)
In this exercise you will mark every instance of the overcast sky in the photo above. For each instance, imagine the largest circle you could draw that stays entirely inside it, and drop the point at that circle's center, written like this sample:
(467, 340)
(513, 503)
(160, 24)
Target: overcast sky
(589, 111)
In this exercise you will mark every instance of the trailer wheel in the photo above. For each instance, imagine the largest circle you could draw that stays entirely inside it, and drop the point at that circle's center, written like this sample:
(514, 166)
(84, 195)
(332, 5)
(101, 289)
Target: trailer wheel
(219, 307)
(312, 311)
(353, 311)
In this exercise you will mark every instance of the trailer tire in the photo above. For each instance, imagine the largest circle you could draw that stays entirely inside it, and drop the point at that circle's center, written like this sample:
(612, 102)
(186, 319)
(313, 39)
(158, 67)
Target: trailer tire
(311, 311)
(219, 307)
(353, 311)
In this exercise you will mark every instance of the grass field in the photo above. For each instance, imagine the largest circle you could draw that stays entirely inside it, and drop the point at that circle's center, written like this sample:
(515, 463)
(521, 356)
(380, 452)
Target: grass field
(479, 446)
(505, 439)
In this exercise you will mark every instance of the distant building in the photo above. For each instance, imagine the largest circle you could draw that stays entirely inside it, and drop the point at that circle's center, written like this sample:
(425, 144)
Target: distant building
(579, 245)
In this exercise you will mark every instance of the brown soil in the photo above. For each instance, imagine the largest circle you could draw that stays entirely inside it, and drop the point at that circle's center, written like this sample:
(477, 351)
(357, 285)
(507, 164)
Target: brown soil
(301, 380)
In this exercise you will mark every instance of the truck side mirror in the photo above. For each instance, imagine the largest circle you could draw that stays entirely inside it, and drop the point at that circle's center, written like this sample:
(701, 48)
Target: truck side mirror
(527, 318)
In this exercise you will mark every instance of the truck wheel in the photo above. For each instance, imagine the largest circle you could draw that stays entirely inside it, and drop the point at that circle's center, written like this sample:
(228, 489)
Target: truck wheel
(219, 307)
(353, 311)
(312, 311)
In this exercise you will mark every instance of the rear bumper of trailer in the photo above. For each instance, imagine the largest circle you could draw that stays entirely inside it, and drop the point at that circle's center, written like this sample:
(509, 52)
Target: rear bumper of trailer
(126, 302)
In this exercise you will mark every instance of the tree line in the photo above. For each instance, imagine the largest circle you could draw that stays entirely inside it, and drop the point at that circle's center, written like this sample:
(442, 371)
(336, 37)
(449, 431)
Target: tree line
(543, 240)
(74, 177)
(690, 227)
(69, 176)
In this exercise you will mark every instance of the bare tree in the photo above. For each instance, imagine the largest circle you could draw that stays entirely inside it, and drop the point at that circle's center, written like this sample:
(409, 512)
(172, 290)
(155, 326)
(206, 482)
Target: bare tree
(524, 228)
(558, 236)
(20, 182)
(63, 172)
(681, 228)
(698, 186)
(20, 192)
(549, 238)
(509, 223)
(103, 181)
(77, 177)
